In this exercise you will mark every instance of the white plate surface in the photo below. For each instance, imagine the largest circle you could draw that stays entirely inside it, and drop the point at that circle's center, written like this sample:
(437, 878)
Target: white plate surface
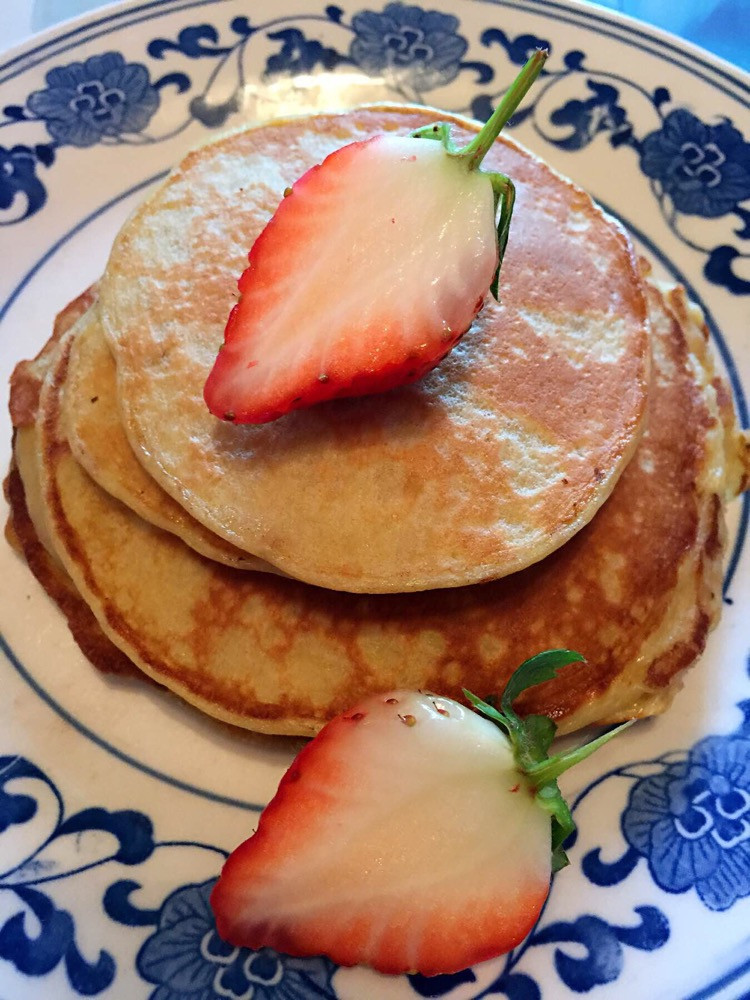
(118, 804)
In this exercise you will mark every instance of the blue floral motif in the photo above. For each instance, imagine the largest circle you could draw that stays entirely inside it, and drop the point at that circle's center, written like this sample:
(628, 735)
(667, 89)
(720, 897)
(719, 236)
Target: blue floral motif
(690, 819)
(15, 809)
(100, 99)
(39, 936)
(704, 169)
(420, 46)
(604, 945)
(696, 168)
(599, 113)
(439, 986)
(692, 822)
(187, 959)
(300, 55)
(18, 179)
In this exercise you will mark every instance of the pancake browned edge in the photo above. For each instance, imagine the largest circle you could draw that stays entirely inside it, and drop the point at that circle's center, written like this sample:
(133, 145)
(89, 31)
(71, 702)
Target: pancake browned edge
(636, 591)
(95, 433)
(25, 534)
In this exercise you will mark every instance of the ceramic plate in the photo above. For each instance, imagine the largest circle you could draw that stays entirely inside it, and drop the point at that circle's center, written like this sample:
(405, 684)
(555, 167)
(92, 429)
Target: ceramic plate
(117, 803)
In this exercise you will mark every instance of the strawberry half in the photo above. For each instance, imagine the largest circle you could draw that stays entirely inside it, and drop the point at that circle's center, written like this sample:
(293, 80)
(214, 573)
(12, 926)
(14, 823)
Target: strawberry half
(412, 834)
(369, 272)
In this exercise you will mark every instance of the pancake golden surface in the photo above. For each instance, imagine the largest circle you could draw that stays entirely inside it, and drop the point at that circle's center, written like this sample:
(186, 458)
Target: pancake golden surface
(492, 461)
(635, 591)
(94, 430)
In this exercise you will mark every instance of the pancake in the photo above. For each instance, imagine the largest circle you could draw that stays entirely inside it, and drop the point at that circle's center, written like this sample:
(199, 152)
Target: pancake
(636, 590)
(25, 387)
(27, 527)
(485, 466)
(94, 430)
(48, 570)
(28, 376)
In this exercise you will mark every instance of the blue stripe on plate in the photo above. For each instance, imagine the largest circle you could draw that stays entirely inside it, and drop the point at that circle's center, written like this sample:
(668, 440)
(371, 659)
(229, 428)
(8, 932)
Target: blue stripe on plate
(152, 772)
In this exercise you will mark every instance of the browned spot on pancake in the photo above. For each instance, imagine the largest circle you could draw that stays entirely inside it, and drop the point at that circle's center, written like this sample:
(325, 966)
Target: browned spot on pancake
(681, 655)
(715, 539)
(11, 535)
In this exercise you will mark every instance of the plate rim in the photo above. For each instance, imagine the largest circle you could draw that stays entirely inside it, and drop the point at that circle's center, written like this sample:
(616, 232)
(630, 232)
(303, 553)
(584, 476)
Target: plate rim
(118, 15)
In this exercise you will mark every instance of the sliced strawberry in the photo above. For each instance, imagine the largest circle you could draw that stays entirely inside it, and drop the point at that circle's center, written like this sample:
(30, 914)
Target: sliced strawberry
(411, 834)
(356, 299)
(369, 272)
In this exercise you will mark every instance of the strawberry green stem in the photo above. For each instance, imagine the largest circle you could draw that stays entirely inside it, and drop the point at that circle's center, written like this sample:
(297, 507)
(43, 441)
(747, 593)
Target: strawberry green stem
(531, 739)
(472, 154)
(551, 768)
(477, 149)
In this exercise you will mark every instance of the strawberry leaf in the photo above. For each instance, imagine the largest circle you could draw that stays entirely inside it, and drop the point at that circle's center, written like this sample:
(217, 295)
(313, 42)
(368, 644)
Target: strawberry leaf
(505, 196)
(542, 667)
(540, 731)
(531, 739)
(550, 798)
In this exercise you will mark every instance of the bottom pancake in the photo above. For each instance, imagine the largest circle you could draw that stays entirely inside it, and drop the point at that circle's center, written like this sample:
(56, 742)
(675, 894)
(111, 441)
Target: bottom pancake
(636, 591)
(27, 527)
(22, 533)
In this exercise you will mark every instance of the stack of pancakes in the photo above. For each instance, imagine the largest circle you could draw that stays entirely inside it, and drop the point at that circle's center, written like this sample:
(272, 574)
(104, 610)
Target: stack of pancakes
(558, 481)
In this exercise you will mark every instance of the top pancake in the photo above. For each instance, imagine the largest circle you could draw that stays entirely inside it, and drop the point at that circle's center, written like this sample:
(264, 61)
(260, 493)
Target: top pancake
(485, 466)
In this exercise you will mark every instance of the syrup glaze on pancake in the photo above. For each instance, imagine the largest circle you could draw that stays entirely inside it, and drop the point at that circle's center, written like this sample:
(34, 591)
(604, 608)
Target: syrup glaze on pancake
(94, 430)
(492, 461)
(636, 591)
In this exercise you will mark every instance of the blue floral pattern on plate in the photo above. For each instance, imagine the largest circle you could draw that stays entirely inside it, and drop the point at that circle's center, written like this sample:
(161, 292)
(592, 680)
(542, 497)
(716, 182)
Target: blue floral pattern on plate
(704, 169)
(687, 816)
(423, 45)
(186, 956)
(98, 100)
(37, 951)
(18, 179)
(697, 168)
(689, 819)
(183, 957)
(692, 822)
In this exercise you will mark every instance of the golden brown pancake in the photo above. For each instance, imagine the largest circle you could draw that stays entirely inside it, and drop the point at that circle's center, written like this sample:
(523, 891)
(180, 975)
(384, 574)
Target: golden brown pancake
(28, 376)
(29, 534)
(94, 430)
(635, 591)
(492, 461)
(25, 386)
(84, 627)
